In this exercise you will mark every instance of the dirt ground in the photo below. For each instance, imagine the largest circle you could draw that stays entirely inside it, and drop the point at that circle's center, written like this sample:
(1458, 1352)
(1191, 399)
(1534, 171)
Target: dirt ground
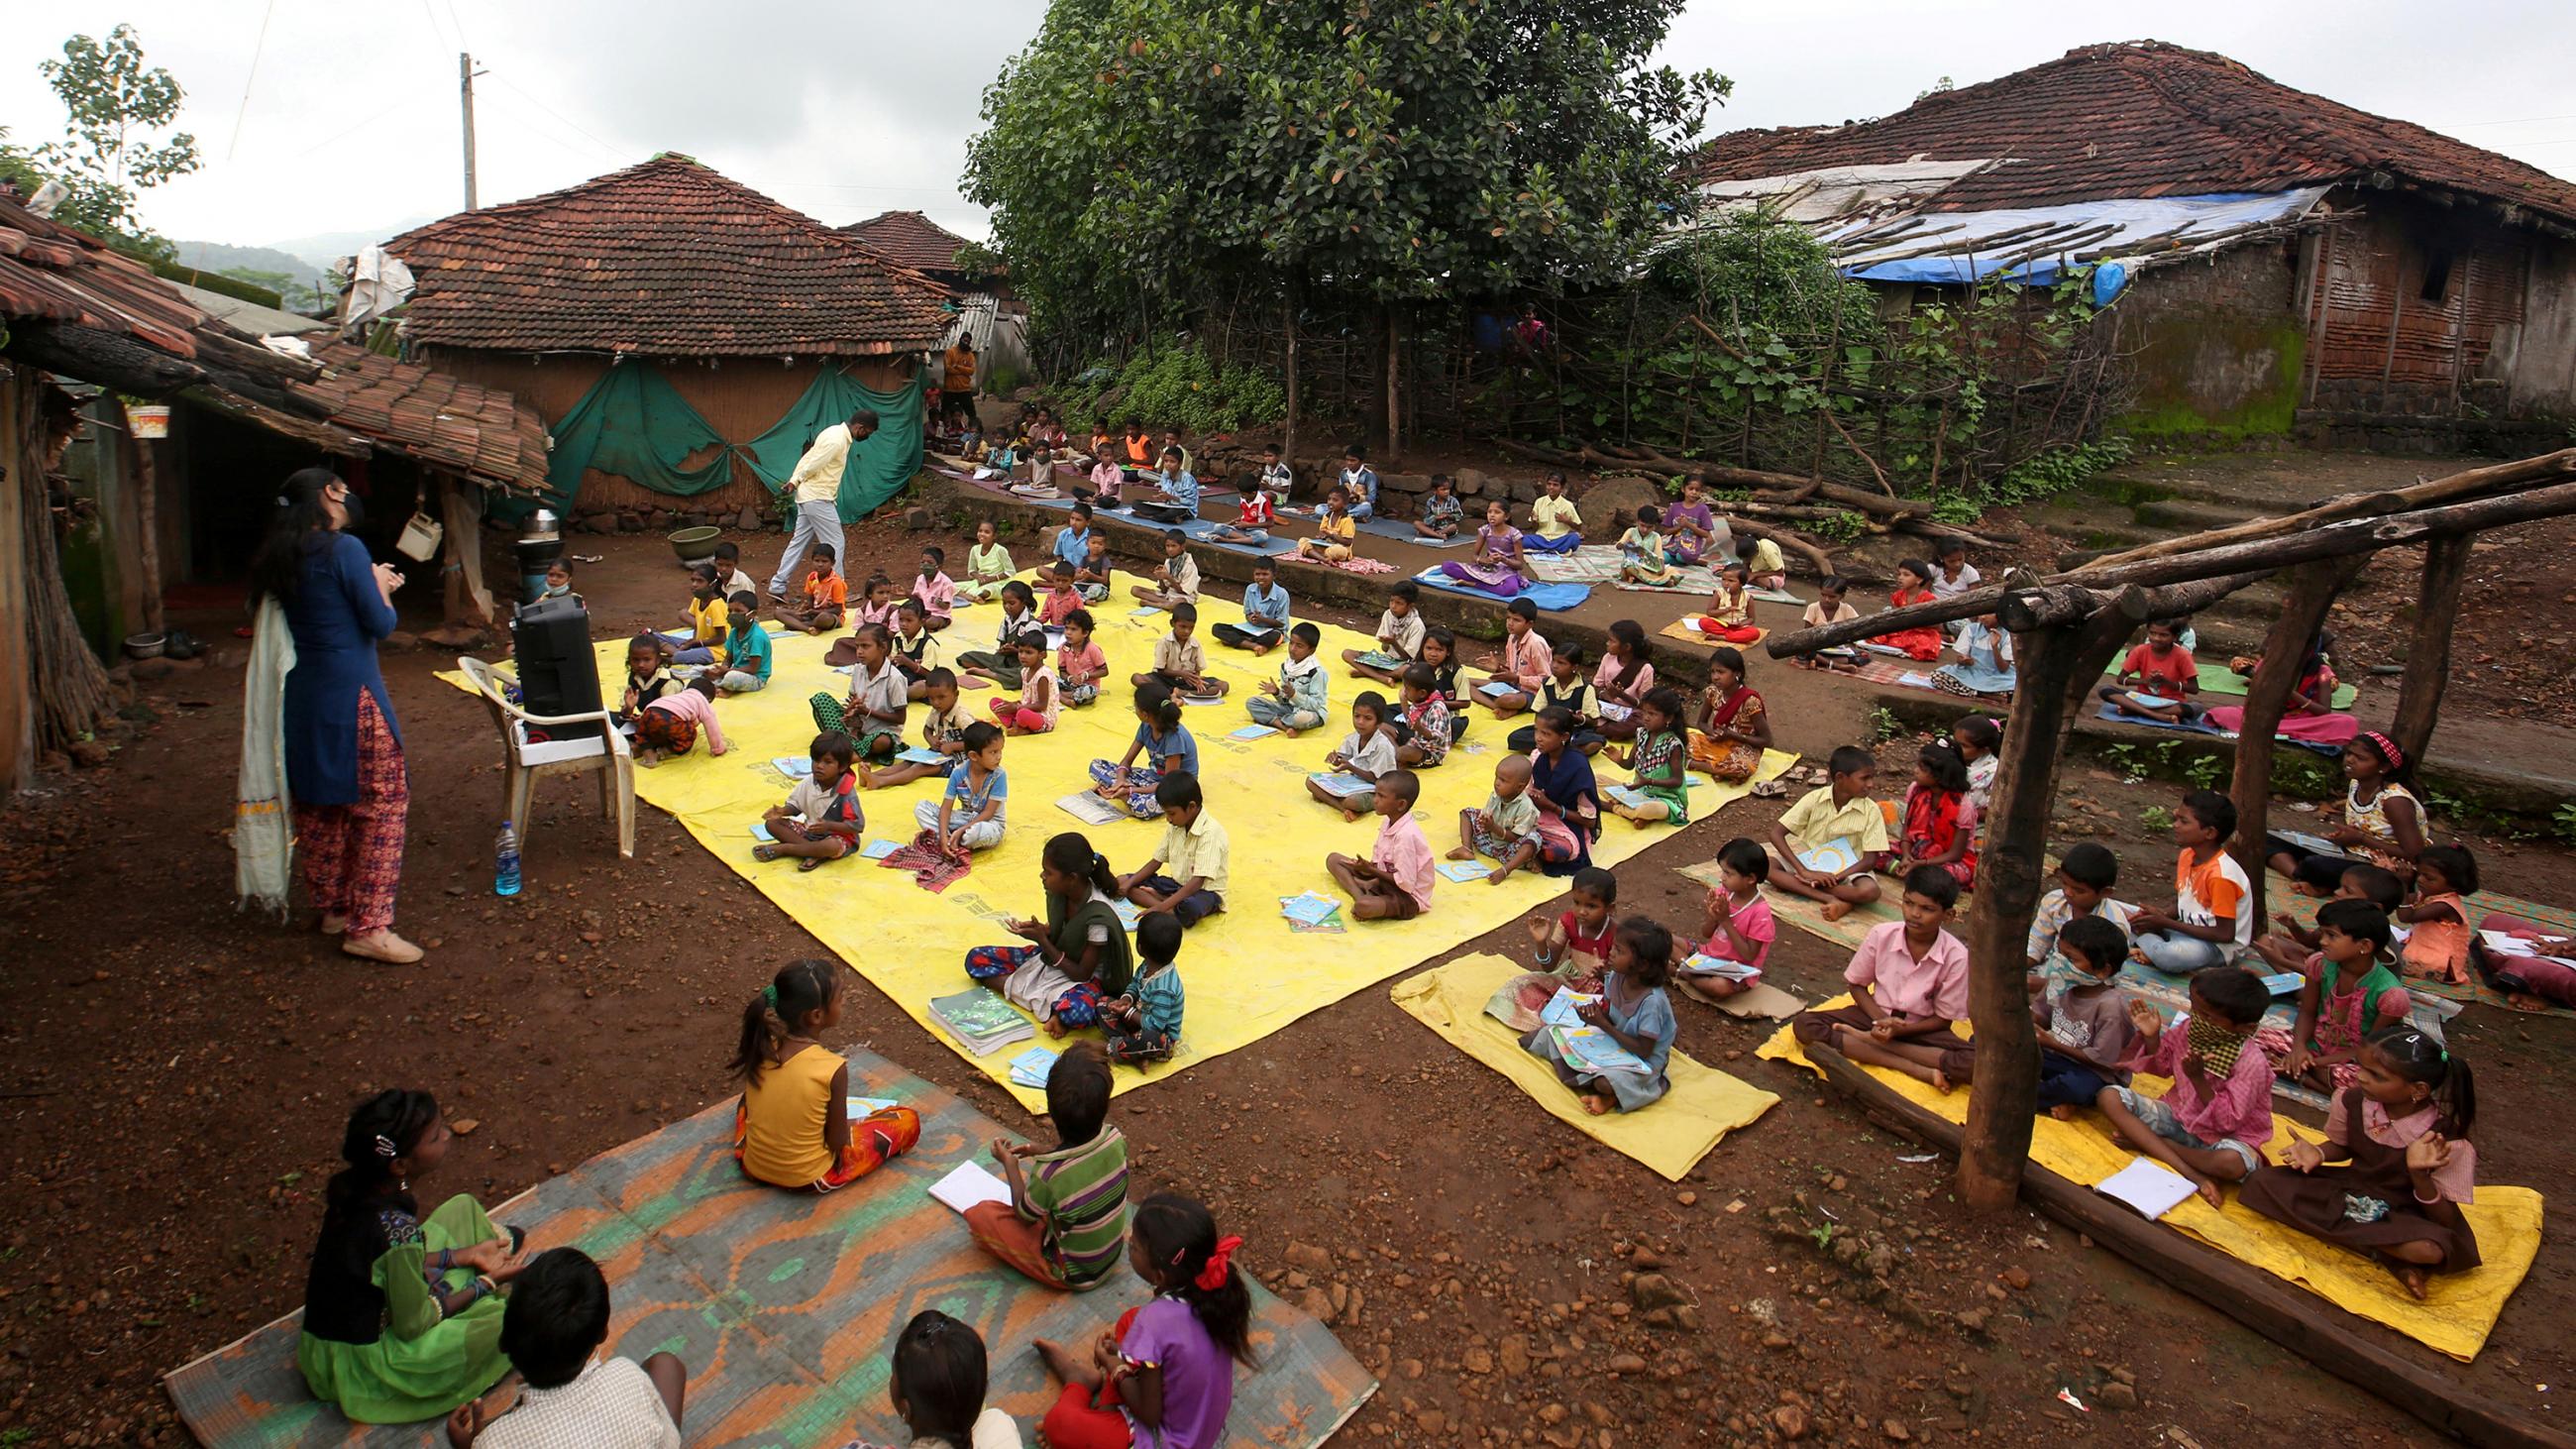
(176, 1083)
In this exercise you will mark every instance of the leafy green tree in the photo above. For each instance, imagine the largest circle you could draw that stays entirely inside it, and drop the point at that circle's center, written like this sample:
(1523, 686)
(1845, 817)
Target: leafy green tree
(1144, 156)
(116, 108)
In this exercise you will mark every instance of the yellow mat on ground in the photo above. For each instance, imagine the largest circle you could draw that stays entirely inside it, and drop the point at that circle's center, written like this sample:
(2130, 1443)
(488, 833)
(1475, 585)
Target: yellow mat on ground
(1670, 1136)
(1688, 635)
(1246, 973)
(2455, 1318)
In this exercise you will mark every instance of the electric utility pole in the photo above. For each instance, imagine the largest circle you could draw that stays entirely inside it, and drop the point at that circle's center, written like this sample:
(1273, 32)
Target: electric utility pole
(465, 74)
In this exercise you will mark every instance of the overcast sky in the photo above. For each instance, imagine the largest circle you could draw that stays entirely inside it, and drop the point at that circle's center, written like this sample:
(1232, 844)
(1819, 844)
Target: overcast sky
(348, 122)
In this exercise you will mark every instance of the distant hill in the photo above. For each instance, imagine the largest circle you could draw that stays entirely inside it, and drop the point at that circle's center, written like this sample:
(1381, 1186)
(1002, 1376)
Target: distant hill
(324, 248)
(219, 257)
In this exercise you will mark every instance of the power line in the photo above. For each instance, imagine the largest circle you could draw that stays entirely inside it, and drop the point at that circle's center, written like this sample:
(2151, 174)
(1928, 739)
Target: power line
(243, 110)
(515, 89)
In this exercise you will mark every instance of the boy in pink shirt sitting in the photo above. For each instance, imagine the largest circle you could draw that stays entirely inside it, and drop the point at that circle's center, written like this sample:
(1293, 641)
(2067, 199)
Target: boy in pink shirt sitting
(2211, 1124)
(1909, 981)
(1394, 883)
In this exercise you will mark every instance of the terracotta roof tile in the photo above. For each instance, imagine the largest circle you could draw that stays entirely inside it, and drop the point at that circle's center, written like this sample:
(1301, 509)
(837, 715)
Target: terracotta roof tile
(2142, 118)
(430, 415)
(667, 258)
(909, 239)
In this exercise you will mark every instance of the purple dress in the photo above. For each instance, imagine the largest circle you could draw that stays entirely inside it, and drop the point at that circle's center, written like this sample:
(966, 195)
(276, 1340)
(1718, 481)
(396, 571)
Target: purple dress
(1198, 1374)
(1687, 548)
(1492, 578)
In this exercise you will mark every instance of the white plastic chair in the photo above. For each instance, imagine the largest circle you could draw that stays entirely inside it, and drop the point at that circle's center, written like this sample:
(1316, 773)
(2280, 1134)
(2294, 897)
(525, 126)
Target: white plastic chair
(605, 754)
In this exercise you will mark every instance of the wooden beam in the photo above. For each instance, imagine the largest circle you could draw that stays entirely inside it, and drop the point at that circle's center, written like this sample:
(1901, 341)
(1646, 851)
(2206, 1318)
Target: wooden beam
(2333, 540)
(2313, 587)
(2450, 488)
(2428, 650)
(147, 522)
(2058, 666)
(2297, 1320)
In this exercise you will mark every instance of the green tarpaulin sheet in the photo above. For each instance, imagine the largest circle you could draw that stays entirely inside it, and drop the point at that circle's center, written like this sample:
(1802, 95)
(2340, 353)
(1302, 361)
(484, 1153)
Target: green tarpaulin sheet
(634, 424)
(877, 467)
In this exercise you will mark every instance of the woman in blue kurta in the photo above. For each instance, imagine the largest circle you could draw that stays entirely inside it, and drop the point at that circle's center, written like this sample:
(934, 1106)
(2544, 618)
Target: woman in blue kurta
(344, 761)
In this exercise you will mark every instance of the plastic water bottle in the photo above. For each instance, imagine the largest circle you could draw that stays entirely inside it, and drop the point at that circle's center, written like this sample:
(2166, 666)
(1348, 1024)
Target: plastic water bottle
(505, 876)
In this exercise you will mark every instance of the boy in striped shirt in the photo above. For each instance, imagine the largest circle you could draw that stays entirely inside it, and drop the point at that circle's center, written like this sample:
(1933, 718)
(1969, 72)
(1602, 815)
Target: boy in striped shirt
(1066, 1223)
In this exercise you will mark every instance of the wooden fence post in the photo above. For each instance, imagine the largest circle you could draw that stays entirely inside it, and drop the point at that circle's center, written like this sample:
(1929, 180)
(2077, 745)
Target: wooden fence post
(2428, 651)
(2313, 587)
(2058, 667)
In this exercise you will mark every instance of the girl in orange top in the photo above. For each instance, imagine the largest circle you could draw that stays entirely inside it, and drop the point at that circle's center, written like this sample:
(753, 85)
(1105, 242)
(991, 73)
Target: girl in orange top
(2438, 945)
(1913, 586)
(793, 1129)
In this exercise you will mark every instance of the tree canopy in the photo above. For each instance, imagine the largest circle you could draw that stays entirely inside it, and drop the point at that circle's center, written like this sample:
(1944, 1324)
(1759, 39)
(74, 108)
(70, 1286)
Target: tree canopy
(115, 105)
(1141, 153)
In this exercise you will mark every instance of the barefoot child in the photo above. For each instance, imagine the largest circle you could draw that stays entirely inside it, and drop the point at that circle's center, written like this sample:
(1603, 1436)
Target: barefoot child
(873, 713)
(1175, 581)
(1909, 982)
(1399, 636)
(1976, 738)
(1623, 681)
(1576, 944)
(2211, 1124)
(793, 1128)
(1394, 883)
(1093, 576)
(1729, 619)
(969, 814)
(1913, 586)
(1165, 1374)
(1145, 1024)
(1506, 830)
(1186, 879)
(821, 820)
(2083, 1019)
(2396, 1166)
(1660, 760)
(1832, 606)
(552, 1332)
(1422, 736)
(1062, 597)
(2209, 924)
(2160, 669)
(1442, 514)
(1265, 613)
(2383, 822)
(1739, 927)
(1040, 701)
(1299, 699)
(1523, 666)
(1642, 559)
(943, 731)
(1937, 826)
(825, 597)
(2349, 997)
(1079, 664)
(1567, 688)
(988, 565)
(671, 724)
(1066, 1223)
(1633, 1011)
(1077, 958)
(1001, 663)
(1336, 531)
(1556, 525)
(878, 602)
(1166, 745)
(707, 621)
(1839, 816)
(1254, 516)
(647, 679)
(1180, 665)
(1368, 752)
(747, 652)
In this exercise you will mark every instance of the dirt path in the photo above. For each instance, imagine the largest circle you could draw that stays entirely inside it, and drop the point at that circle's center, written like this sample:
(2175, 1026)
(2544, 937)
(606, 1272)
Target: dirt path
(177, 1075)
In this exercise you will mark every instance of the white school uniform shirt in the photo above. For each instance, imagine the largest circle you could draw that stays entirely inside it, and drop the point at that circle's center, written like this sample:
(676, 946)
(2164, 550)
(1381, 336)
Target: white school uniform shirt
(611, 1405)
(1406, 632)
(1943, 587)
(1377, 757)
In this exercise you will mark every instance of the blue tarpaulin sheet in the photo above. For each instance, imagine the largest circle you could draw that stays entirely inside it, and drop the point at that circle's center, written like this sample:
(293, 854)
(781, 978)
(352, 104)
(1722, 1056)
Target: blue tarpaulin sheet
(2172, 221)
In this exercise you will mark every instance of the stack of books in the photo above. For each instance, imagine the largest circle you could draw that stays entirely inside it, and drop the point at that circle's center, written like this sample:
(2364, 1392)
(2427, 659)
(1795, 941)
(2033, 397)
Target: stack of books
(982, 1022)
(1030, 1068)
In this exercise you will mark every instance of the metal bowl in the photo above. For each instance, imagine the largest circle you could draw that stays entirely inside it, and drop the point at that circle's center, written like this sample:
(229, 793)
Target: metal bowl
(145, 646)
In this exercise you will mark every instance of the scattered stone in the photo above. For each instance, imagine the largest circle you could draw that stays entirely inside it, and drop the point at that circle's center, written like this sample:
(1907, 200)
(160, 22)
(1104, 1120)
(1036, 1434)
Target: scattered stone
(2017, 1278)
(1477, 1361)
(1896, 1431)
(2116, 1395)
(1654, 1290)
(1626, 1363)
(1316, 1304)
(1515, 1356)
(1431, 1421)
(1310, 1257)
(918, 519)
(748, 520)
(1790, 1421)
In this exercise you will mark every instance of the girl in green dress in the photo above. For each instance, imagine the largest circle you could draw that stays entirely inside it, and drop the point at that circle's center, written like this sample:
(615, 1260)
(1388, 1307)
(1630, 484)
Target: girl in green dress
(402, 1314)
(1661, 759)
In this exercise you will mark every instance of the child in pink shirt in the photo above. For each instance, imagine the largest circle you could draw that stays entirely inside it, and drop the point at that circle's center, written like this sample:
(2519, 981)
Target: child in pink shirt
(1740, 927)
(2211, 1124)
(1394, 883)
(1909, 981)
(671, 724)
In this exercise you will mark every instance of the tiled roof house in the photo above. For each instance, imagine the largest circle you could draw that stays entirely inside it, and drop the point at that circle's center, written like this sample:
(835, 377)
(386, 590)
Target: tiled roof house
(2374, 279)
(735, 299)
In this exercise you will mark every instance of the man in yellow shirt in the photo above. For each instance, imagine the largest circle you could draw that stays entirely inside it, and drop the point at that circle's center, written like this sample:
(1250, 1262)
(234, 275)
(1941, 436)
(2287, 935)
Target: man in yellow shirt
(815, 487)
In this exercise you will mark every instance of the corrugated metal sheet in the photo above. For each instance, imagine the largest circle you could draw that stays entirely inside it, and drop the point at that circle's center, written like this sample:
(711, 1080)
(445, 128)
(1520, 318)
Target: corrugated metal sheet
(2379, 341)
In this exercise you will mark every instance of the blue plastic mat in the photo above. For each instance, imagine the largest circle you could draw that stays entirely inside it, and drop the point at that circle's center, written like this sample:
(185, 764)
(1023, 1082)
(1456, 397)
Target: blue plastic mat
(1554, 598)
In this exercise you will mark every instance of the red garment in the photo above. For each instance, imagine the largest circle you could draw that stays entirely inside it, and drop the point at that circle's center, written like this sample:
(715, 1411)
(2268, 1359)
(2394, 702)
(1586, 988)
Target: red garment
(353, 853)
(2176, 668)
(1932, 824)
(1711, 628)
(1080, 1420)
(1256, 512)
(1923, 643)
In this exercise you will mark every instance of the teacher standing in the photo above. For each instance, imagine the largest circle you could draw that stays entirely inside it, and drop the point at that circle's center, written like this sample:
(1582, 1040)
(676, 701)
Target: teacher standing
(335, 725)
(816, 486)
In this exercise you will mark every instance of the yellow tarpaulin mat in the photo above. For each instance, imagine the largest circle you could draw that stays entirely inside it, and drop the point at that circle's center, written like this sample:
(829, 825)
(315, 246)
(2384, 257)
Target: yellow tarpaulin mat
(1246, 973)
(2456, 1316)
(1670, 1135)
